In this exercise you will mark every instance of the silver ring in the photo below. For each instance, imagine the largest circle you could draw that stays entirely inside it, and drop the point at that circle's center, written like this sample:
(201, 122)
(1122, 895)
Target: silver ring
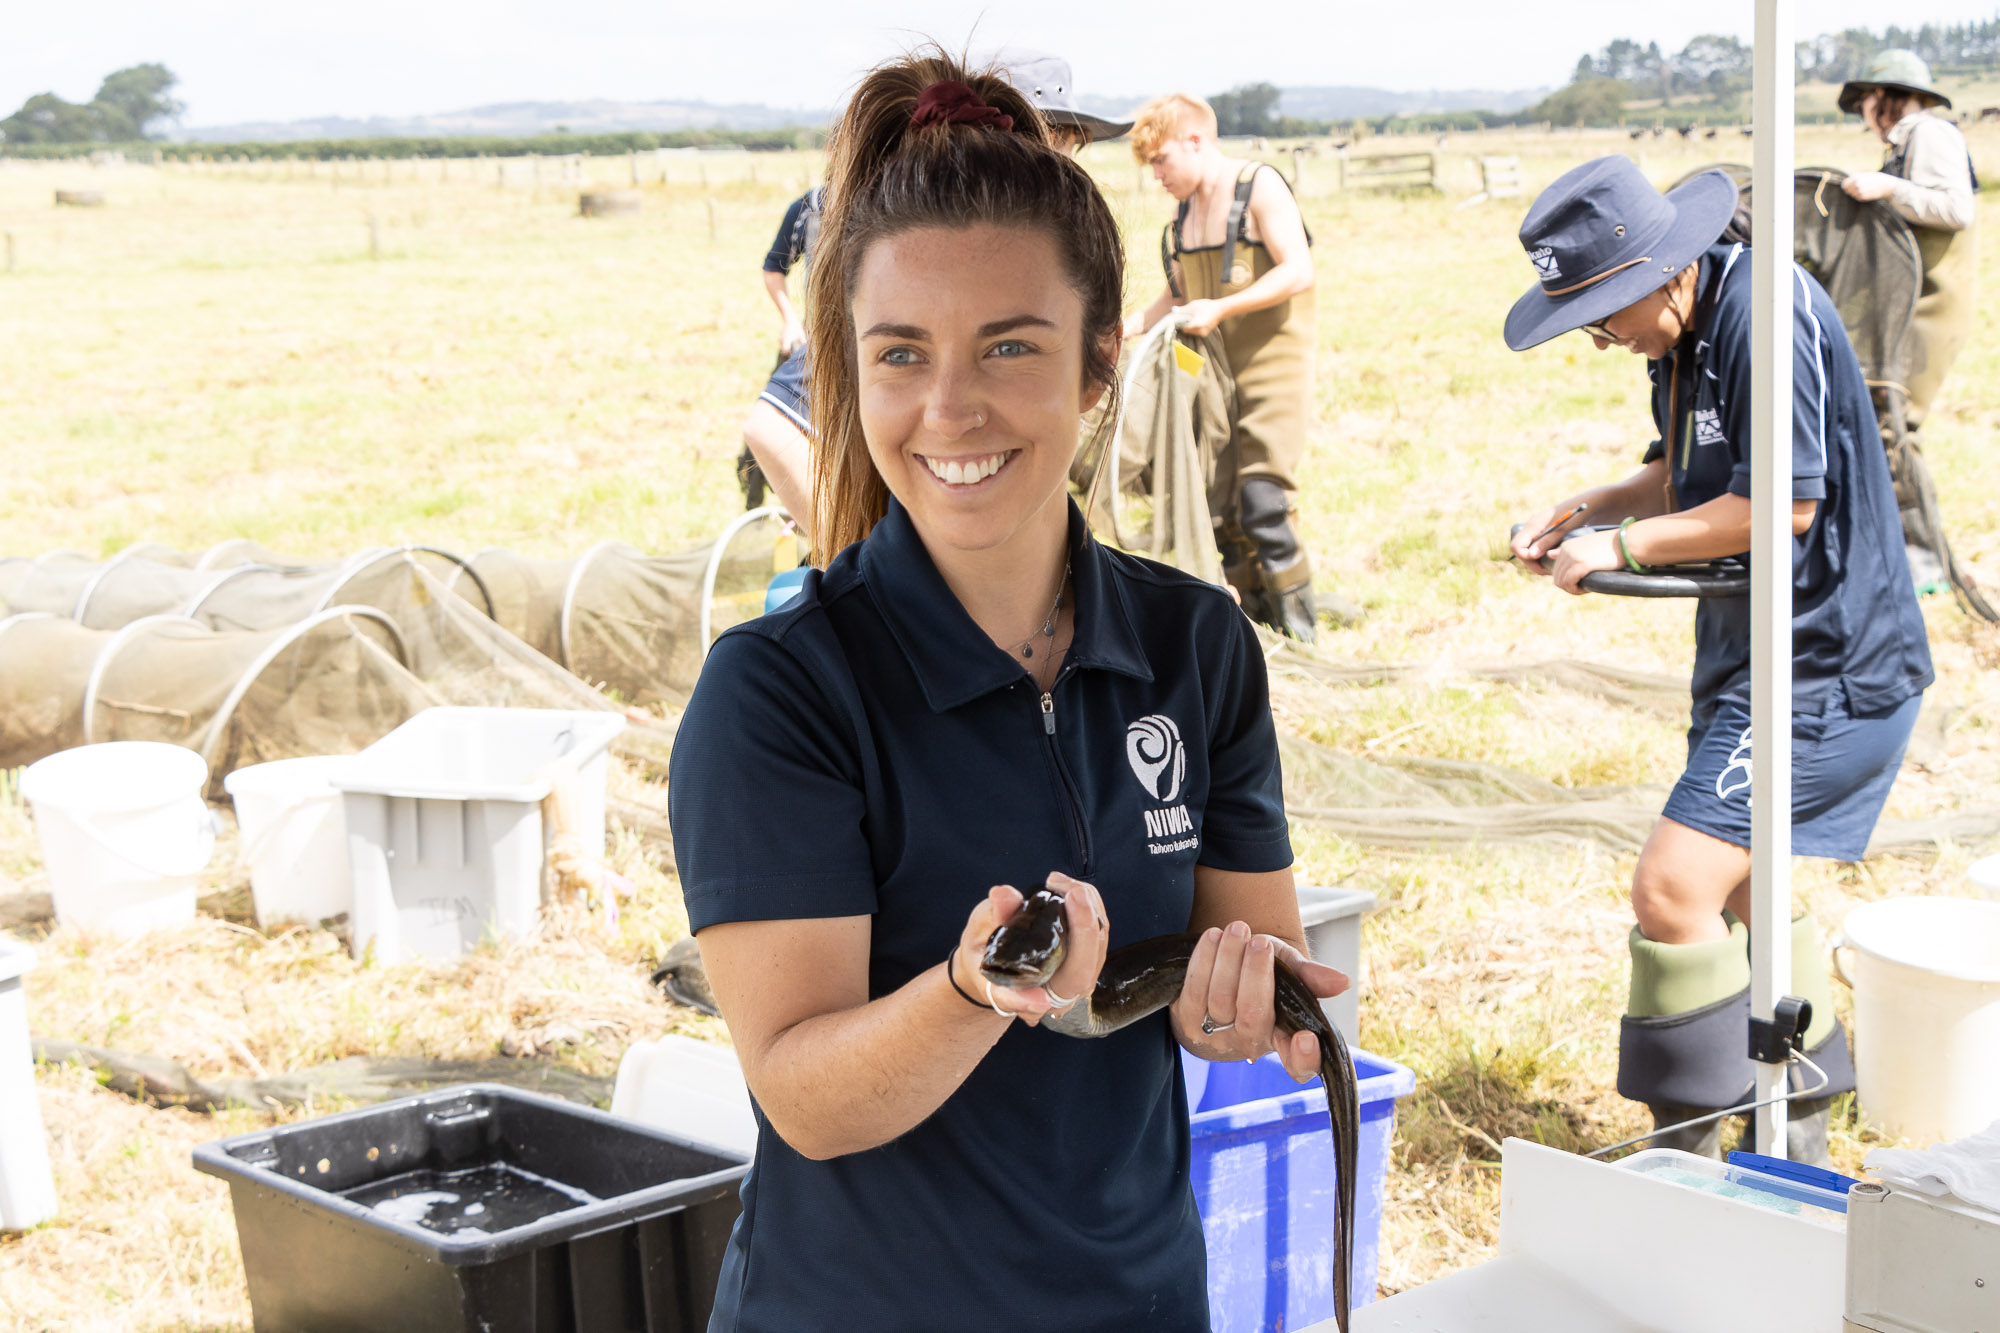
(980, 419)
(989, 1000)
(1057, 1000)
(1209, 1027)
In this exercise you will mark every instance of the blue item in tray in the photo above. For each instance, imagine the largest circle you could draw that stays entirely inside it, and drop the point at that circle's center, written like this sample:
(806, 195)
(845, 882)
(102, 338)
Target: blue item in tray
(1263, 1175)
(1782, 1172)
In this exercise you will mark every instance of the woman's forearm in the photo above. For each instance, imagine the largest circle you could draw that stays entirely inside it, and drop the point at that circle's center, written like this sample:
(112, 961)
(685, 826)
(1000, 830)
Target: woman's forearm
(854, 1079)
(1640, 495)
(1277, 286)
(1710, 531)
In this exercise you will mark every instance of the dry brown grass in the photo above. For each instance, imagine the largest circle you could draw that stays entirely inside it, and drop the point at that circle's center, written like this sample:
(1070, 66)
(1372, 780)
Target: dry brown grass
(214, 356)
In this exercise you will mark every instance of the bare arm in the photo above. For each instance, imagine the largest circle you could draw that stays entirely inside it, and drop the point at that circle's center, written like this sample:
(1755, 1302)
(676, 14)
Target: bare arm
(1710, 531)
(836, 1072)
(793, 332)
(1248, 921)
(1641, 495)
(1282, 228)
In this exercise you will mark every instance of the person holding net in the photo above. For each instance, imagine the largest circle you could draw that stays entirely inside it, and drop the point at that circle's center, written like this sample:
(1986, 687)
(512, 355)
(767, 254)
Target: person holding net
(1238, 259)
(1648, 273)
(972, 689)
(1928, 181)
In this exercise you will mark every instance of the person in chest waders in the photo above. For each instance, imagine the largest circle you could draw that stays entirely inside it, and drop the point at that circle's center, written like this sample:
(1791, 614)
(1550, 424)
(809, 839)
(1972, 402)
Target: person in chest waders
(1649, 273)
(1238, 258)
(1927, 178)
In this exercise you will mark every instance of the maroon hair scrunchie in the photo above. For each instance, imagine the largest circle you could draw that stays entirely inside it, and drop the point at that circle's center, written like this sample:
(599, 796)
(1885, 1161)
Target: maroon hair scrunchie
(953, 103)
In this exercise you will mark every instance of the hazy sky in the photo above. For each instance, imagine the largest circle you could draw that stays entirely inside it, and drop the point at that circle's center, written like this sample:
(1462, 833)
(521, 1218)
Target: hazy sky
(241, 61)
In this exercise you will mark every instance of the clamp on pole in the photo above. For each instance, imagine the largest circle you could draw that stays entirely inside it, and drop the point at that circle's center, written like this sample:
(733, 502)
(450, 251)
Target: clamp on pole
(1773, 1040)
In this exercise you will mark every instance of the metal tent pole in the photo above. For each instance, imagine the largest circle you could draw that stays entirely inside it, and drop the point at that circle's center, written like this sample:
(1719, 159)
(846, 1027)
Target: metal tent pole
(1772, 116)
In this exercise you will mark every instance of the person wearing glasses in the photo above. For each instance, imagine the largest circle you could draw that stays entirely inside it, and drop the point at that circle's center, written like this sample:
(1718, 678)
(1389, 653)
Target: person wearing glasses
(1648, 273)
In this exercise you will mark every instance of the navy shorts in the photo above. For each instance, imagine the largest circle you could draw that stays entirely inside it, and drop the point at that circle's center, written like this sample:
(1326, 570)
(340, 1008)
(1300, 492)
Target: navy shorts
(1842, 769)
(786, 390)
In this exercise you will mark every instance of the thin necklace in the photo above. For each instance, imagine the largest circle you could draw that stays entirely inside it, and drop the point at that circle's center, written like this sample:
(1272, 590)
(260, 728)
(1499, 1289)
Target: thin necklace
(1026, 647)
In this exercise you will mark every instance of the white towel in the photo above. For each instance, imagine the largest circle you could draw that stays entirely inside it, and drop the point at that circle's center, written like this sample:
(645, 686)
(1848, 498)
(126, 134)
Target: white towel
(1969, 1168)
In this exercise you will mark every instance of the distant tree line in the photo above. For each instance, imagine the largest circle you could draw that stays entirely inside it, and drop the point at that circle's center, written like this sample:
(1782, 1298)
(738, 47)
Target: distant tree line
(128, 104)
(1252, 108)
(548, 145)
(1836, 57)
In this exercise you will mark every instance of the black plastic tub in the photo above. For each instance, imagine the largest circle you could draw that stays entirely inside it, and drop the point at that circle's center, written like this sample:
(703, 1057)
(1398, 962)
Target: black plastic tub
(482, 1208)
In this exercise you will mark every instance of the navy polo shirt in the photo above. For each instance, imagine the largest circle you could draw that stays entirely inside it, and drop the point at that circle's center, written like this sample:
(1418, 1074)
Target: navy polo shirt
(1858, 639)
(868, 751)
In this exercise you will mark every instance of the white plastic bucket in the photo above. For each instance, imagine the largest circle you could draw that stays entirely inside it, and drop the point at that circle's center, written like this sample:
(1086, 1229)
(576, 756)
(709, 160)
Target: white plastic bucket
(124, 833)
(27, 1190)
(688, 1088)
(1985, 876)
(1926, 979)
(294, 837)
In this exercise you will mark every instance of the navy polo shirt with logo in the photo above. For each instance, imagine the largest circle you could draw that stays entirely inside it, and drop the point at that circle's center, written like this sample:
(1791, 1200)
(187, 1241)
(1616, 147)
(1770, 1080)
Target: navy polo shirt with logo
(867, 751)
(1858, 641)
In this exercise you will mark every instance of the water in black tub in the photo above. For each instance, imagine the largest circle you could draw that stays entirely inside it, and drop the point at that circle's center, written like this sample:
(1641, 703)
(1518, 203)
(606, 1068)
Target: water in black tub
(477, 1201)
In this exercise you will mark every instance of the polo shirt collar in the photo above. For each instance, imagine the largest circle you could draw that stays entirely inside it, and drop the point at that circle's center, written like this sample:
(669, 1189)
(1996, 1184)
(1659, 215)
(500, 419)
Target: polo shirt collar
(952, 658)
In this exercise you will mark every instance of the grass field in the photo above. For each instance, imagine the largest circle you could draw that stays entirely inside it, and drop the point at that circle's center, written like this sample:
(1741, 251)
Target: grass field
(215, 353)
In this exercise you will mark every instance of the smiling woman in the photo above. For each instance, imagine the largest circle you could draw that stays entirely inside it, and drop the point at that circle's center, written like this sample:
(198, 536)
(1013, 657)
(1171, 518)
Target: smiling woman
(971, 691)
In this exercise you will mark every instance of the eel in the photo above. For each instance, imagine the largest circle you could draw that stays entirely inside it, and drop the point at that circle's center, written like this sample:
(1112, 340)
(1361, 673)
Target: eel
(1143, 978)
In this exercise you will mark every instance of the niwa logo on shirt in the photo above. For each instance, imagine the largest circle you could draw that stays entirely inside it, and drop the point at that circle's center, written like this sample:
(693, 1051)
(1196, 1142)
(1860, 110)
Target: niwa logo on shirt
(1708, 426)
(1159, 760)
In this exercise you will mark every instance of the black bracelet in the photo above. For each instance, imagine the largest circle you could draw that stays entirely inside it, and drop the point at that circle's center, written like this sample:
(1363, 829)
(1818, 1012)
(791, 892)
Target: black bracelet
(950, 976)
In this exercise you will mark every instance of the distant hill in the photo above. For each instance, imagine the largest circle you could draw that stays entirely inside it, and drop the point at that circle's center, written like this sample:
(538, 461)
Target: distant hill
(517, 120)
(526, 119)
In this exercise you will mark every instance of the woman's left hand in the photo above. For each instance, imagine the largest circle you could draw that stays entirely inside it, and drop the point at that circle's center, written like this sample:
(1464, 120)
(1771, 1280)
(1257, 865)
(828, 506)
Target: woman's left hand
(1586, 553)
(1869, 185)
(1230, 990)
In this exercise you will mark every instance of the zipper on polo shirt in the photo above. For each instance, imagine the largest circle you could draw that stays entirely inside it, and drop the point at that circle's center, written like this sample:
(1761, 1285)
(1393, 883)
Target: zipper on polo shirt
(1079, 832)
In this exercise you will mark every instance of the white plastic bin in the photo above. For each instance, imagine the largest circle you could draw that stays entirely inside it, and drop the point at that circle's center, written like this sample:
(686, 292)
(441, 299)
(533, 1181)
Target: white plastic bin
(124, 833)
(445, 837)
(27, 1190)
(294, 837)
(1926, 979)
(1985, 876)
(690, 1089)
(1332, 918)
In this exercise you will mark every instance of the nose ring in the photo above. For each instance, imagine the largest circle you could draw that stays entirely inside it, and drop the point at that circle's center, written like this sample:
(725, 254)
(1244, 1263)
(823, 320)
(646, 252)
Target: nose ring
(979, 420)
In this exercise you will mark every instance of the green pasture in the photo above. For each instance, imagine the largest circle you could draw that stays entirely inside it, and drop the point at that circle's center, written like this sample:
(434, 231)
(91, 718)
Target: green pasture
(225, 351)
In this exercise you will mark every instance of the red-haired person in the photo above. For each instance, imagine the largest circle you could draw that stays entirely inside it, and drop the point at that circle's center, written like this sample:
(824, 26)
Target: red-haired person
(973, 695)
(1238, 258)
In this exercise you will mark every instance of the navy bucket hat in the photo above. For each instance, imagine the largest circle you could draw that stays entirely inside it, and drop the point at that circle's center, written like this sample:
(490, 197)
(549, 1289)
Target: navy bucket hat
(1602, 238)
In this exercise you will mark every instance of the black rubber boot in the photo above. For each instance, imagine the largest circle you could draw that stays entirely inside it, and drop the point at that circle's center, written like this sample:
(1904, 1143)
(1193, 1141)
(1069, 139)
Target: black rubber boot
(1264, 513)
(1703, 1140)
(750, 477)
(1686, 1064)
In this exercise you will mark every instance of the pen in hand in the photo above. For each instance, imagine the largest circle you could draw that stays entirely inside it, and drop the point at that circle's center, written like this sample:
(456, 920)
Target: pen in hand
(1558, 524)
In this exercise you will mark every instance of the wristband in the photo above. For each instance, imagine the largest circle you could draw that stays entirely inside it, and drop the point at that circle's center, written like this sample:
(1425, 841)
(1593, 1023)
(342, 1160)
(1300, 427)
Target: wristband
(1626, 551)
(949, 975)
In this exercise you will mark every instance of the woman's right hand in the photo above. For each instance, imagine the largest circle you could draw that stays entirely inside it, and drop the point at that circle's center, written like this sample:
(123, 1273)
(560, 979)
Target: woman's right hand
(1532, 553)
(1089, 931)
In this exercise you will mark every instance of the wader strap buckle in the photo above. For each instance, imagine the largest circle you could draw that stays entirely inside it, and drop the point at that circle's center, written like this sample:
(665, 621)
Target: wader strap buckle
(1238, 206)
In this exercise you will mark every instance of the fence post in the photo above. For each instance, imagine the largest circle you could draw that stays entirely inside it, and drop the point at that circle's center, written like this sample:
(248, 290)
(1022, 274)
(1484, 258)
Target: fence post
(711, 221)
(10, 252)
(374, 237)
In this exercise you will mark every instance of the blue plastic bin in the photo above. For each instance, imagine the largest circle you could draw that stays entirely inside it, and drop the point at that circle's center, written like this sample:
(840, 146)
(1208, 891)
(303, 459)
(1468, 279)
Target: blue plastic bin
(1263, 1174)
